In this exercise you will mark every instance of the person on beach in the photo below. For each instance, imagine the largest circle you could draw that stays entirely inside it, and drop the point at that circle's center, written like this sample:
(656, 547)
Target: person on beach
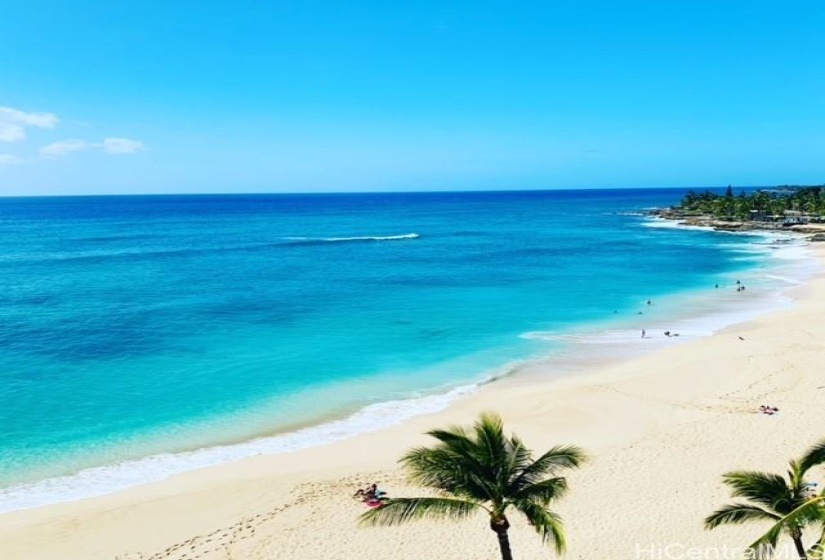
(643, 333)
(368, 493)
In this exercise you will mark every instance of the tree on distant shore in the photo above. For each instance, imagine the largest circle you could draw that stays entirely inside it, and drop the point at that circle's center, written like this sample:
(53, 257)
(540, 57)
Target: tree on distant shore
(765, 202)
(787, 502)
(482, 469)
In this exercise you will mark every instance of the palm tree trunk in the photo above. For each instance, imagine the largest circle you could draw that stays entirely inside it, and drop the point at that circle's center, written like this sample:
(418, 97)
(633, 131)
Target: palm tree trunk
(504, 545)
(800, 548)
(499, 524)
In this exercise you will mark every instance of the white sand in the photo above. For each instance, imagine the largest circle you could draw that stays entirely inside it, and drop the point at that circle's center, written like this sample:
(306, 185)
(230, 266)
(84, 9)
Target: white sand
(660, 430)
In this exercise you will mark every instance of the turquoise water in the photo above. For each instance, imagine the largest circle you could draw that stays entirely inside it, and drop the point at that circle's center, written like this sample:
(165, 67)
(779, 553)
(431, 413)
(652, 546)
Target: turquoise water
(134, 326)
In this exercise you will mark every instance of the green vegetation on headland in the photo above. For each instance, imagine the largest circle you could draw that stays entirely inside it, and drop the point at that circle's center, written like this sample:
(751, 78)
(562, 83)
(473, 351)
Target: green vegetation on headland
(781, 207)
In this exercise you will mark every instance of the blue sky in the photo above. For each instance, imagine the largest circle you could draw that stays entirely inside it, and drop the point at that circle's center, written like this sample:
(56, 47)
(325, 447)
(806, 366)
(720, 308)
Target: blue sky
(208, 96)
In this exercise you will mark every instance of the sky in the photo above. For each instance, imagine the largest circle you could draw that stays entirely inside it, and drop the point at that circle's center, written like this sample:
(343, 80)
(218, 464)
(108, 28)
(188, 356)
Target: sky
(327, 96)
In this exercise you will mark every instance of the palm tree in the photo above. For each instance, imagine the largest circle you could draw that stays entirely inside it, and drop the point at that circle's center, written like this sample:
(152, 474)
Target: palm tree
(483, 470)
(810, 512)
(772, 497)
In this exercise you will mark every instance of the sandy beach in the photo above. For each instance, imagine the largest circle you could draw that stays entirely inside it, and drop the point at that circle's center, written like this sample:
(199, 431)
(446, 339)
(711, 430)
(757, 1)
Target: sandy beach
(660, 430)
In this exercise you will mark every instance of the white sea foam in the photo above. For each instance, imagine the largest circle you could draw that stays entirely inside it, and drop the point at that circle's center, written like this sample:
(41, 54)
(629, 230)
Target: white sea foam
(99, 481)
(785, 279)
(709, 312)
(368, 238)
(665, 223)
(610, 336)
(709, 317)
(793, 252)
(358, 238)
(654, 222)
(185, 250)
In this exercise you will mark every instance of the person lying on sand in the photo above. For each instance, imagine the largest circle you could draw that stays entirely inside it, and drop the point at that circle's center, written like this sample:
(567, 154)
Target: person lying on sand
(769, 410)
(371, 496)
(371, 492)
(366, 493)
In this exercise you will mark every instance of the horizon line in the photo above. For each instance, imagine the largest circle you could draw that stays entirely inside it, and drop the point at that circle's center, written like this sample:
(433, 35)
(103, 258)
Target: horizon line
(463, 191)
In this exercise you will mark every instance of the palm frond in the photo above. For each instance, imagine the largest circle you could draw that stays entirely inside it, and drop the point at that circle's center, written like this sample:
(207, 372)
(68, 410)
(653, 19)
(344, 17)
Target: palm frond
(454, 436)
(492, 448)
(770, 490)
(433, 467)
(812, 510)
(795, 476)
(761, 550)
(813, 457)
(817, 550)
(401, 510)
(734, 514)
(490, 426)
(557, 458)
(458, 441)
(541, 492)
(519, 455)
(457, 471)
(546, 523)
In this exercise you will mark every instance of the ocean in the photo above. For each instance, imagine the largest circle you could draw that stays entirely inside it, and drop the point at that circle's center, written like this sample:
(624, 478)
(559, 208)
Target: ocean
(146, 335)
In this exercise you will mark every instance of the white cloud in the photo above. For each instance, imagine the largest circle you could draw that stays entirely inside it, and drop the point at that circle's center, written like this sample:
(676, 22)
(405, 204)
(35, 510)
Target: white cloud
(40, 120)
(9, 159)
(11, 132)
(65, 147)
(109, 145)
(122, 146)
(13, 123)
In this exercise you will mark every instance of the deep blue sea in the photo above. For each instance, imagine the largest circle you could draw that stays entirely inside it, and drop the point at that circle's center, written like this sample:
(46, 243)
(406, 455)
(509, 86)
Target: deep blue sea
(145, 335)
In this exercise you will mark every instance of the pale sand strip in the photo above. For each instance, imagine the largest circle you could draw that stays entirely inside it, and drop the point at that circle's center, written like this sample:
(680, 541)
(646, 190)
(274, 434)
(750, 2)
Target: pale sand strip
(661, 429)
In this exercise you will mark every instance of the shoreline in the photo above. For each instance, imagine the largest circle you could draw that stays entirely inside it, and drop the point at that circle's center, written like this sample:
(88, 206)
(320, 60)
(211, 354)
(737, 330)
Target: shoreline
(814, 231)
(597, 344)
(657, 396)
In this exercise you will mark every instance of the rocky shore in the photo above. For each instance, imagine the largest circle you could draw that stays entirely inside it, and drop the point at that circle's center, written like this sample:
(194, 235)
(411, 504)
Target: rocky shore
(814, 232)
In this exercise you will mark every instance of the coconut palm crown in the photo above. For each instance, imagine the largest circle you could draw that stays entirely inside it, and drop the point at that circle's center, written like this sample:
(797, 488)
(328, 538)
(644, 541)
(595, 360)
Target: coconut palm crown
(482, 469)
(786, 501)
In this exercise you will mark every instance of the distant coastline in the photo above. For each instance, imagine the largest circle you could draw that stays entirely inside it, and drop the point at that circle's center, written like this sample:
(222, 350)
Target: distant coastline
(792, 209)
(814, 232)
